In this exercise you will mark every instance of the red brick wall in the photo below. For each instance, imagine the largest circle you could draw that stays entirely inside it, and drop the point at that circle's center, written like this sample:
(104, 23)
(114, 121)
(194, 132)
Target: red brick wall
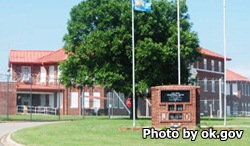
(190, 113)
(77, 111)
(12, 98)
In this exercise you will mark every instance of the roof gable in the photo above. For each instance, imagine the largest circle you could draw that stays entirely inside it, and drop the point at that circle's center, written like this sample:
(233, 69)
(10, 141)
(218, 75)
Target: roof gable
(210, 53)
(54, 57)
(36, 56)
(232, 76)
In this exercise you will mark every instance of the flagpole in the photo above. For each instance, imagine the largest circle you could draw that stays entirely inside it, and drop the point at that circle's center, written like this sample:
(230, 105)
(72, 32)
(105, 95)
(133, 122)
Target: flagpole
(133, 63)
(225, 65)
(178, 27)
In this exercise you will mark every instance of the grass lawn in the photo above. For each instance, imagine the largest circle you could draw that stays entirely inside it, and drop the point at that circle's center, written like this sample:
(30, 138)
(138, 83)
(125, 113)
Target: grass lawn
(95, 131)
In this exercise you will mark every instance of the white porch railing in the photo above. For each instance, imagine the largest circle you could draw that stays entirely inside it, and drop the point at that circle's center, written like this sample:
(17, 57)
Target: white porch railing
(246, 113)
(36, 109)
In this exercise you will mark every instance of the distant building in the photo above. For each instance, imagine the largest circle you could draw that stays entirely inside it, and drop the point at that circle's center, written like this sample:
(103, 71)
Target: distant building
(210, 70)
(38, 87)
(238, 94)
(34, 84)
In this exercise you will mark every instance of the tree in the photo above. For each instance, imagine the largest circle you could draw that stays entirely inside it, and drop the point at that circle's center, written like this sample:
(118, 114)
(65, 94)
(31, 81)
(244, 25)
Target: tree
(99, 45)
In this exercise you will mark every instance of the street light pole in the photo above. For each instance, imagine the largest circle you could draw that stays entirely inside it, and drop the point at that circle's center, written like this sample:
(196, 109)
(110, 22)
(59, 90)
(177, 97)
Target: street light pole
(7, 95)
(31, 97)
(225, 67)
(179, 52)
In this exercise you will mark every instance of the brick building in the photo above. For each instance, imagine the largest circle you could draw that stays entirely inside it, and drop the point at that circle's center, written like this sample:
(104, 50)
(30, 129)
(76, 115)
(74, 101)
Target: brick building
(238, 93)
(36, 75)
(210, 70)
(37, 87)
(7, 97)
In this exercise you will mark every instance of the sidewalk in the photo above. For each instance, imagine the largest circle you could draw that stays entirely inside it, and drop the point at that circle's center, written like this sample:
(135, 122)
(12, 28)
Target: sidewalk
(10, 127)
(7, 141)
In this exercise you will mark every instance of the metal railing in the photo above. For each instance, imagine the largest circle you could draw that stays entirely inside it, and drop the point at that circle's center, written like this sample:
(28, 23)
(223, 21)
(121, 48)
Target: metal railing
(23, 109)
(245, 113)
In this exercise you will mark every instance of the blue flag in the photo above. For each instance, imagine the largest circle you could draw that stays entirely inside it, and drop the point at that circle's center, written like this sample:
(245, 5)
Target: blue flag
(142, 5)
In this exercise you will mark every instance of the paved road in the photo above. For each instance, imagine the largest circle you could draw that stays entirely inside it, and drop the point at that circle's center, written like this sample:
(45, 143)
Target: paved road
(8, 127)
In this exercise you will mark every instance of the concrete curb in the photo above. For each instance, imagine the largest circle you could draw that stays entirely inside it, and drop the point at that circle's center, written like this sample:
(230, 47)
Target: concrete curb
(7, 141)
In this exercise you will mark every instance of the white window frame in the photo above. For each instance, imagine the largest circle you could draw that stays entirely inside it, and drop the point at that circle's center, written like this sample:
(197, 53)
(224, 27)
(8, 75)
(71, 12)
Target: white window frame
(26, 70)
(228, 89)
(213, 85)
(205, 64)
(235, 89)
(242, 89)
(86, 99)
(212, 65)
(213, 105)
(61, 99)
(96, 101)
(51, 73)
(205, 85)
(205, 106)
(219, 66)
(42, 75)
(74, 100)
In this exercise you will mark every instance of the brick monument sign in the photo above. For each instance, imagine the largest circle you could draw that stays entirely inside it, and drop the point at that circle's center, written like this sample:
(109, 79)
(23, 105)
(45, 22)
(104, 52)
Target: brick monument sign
(175, 106)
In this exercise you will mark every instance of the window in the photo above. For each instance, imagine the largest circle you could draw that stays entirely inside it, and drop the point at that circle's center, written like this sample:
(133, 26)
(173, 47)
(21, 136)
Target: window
(222, 87)
(246, 89)
(212, 65)
(26, 70)
(197, 64)
(58, 71)
(205, 105)
(242, 106)
(74, 100)
(121, 106)
(61, 98)
(235, 89)
(242, 89)
(205, 85)
(213, 86)
(205, 64)
(86, 99)
(228, 89)
(213, 105)
(51, 74)
(219, 66)
(43, 75)
(96, 101)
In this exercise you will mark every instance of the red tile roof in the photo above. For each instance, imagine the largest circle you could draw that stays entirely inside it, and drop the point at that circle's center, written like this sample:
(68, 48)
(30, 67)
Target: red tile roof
(212, 54)
(36, 56)
(26, 56)
(232, 76)
(54, 57)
